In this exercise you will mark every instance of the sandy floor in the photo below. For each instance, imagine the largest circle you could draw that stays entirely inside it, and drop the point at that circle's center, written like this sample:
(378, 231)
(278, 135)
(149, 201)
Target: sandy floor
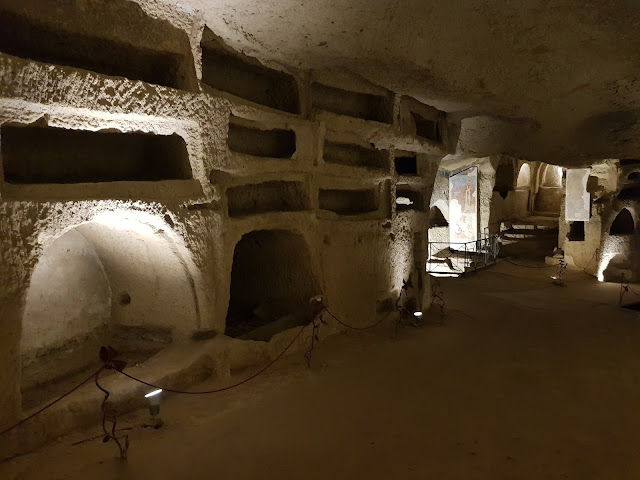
(524, 380)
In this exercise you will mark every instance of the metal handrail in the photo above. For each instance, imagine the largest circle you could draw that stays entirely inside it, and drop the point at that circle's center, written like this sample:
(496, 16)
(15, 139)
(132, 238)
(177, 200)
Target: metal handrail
(471, 255)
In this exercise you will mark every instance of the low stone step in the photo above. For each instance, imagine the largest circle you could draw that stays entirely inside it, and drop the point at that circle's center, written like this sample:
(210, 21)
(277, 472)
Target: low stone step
(532, 234)
(536, 226)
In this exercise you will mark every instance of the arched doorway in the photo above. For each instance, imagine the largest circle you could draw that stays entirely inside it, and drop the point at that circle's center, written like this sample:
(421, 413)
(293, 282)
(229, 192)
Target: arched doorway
(436, 218)
(272, 282)
(623, 223)
(549, 196)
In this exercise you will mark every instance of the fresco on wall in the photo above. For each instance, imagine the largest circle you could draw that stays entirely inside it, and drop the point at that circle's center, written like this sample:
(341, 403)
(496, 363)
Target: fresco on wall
(463, 206)
(577, 200)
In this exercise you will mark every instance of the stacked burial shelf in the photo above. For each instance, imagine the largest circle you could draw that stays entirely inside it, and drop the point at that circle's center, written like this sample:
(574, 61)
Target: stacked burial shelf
(77, 136)
(133, 135)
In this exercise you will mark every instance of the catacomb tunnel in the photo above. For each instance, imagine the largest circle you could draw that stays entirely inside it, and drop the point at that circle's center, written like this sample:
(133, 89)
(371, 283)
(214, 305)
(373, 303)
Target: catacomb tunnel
(398, 237)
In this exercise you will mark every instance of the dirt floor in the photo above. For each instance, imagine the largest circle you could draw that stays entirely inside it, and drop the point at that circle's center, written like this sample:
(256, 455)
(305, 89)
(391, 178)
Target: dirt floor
(524, 380)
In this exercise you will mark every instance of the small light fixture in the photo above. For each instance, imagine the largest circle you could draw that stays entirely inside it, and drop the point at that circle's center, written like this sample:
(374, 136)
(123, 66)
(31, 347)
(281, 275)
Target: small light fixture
(417, 314)
(154, 407)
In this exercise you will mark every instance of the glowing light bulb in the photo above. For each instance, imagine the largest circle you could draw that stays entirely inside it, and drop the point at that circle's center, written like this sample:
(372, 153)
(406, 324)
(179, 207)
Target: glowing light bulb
(153, 394)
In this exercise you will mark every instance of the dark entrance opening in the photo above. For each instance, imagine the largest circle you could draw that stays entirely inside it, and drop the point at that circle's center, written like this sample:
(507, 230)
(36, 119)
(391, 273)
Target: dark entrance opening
(623, 224)
(272, 282)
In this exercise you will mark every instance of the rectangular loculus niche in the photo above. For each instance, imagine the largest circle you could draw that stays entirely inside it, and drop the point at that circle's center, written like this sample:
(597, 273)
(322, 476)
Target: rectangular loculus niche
(274, 143)
(426, 128)
(33, 155)
(355, 156)
(348, 202)
(275, 196)
(245, 77)
(408, 199)
(406, 164)
(26, 38)
(378, 108)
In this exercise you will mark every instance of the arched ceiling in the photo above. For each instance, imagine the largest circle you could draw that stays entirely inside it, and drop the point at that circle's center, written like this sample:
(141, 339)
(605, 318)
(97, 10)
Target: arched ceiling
(562, 77)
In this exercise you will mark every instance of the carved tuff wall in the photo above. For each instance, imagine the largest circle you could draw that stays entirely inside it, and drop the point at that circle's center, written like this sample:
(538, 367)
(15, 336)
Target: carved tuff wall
(160, 167)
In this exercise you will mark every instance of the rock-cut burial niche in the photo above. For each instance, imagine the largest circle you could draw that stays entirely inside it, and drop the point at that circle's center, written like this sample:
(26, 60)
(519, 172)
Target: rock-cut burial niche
(406, 165)
(274, 143)
(275, 196)
(33, 154)
(623, 224)
(272, 282)
(348, 202)
(576, 232)
(100, 285)
(408, 199)
(245, 77)
(355, 156)
(162, 56)
(378, 108)
(427, 128)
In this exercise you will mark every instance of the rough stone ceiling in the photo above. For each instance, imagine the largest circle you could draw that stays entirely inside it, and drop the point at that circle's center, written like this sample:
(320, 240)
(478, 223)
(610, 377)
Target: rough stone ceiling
(564, 74)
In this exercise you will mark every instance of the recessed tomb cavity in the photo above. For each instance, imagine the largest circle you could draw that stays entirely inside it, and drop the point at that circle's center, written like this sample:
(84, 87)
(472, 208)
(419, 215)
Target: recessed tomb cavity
(95, 285)
(274, 143)
(32, 39)
(33, 155)
(406, 164)
(378, 108)
(274, 196)
(576, 232)
(630, 191)
(426, 128)
(355, 156)
(348, 202)
(245, 77)
(272, 281)
(408, 199)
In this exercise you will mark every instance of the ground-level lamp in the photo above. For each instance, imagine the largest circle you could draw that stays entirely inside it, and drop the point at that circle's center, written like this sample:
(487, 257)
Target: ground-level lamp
(154, 399)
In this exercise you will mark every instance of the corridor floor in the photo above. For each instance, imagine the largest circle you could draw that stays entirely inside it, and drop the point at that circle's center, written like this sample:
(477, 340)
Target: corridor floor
(522, 380)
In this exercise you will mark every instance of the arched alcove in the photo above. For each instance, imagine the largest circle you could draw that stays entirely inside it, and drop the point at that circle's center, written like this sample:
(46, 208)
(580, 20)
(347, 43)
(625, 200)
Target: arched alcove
(549, 195)
(623, 223)
(524, 177)
(552, 176)
(436, 218)
(505, 179)
(120, 284)
(272, 281)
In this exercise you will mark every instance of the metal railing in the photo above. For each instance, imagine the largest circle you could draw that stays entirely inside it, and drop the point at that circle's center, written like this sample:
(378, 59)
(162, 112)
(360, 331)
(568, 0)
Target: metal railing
(460, 258)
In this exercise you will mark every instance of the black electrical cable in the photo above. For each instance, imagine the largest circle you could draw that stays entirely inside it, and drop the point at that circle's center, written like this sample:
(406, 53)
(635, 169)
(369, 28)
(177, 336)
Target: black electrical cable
(229, 387)
(584, 269)
(375, 324)
(7, 430)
